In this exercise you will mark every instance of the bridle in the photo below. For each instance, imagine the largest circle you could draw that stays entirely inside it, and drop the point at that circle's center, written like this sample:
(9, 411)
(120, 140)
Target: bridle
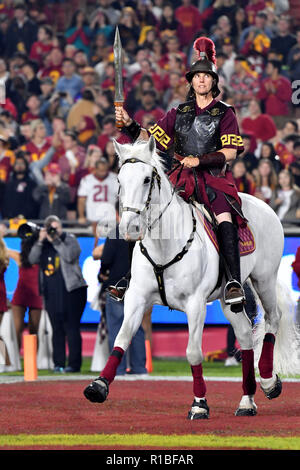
(155, 176)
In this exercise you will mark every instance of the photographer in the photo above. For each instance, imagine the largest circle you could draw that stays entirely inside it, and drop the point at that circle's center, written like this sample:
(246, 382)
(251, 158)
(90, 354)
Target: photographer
(64, 290)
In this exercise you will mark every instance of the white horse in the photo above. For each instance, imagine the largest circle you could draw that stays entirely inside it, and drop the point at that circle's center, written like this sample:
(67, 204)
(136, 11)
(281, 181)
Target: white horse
(152, 212)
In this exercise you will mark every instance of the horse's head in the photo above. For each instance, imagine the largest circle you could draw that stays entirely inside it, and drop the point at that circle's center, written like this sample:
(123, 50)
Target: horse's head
(137, 178)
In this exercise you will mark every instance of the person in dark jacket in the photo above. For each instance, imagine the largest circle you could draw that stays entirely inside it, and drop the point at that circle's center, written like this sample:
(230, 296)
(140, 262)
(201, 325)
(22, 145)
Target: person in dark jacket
(115, 264)
(64, 290)
(18, 197)
(21, 33)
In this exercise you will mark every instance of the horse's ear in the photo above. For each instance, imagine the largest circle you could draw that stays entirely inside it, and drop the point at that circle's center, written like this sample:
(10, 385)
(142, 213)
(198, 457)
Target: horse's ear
(152, 144)
(117, 146)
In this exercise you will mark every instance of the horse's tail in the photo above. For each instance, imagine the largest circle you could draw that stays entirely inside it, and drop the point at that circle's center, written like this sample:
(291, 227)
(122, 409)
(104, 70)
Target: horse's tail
(287, 344)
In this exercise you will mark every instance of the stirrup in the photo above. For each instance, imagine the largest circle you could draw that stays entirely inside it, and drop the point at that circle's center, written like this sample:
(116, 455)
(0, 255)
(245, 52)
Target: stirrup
(239, 298)
(118, 293)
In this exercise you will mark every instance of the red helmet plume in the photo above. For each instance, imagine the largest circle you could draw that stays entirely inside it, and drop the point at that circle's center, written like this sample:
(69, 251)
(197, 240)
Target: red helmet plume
(205, 48)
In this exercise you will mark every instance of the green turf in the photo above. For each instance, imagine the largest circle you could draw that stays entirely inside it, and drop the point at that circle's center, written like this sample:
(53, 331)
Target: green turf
(161, 366)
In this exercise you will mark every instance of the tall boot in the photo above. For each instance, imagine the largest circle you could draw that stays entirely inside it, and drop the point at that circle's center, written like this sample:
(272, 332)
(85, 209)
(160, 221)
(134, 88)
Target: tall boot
(118, 292)
(229, 248)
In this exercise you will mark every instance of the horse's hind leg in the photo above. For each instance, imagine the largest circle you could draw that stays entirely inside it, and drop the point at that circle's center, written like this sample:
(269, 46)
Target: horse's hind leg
(243, 332)
(97, 391)
(270, 382)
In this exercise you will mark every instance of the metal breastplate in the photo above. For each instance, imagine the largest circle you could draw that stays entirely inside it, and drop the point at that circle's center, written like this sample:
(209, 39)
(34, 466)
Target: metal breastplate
(196, 135)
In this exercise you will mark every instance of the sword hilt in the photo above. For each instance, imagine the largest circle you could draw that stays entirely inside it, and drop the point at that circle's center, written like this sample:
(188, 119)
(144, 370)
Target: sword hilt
(119, 124)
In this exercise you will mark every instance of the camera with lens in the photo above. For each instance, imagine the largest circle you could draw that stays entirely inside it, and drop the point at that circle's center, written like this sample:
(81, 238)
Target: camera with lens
(52, 231)
(28, 230)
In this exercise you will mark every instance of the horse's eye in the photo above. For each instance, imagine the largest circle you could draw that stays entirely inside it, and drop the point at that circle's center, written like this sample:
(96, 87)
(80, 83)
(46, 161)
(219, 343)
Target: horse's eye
(147, 180)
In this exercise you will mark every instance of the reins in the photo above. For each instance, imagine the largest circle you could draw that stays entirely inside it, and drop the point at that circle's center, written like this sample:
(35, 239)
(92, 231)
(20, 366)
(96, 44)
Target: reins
(159, 268)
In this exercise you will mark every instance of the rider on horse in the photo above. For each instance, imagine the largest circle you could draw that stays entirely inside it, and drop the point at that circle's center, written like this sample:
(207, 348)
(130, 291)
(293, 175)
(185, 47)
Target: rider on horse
(205, 135)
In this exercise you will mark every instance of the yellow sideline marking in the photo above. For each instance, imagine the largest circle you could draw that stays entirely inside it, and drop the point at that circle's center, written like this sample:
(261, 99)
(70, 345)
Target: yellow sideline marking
(143, 440)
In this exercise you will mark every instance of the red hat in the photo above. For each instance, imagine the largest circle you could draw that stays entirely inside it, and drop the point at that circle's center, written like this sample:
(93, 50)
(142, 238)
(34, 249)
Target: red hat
(54, 168)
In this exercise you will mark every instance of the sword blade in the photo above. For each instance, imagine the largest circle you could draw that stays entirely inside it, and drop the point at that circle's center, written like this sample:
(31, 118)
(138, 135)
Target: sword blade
(119, 92)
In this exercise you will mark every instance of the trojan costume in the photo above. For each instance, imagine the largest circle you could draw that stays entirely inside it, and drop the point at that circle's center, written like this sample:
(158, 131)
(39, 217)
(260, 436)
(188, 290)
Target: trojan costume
(196, 132)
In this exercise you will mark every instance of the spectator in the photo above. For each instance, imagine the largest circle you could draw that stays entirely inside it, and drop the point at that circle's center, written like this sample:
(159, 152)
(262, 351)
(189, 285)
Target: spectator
(18, 192)
(29, 71)
(248, 156)
(275, 93)
(191, 20)
(64, 290)
(89, 77)
(97, 194)
(7, 159)
(147, 70)
(39, 143)
(285, 149)
(253, 9)
(134, 97)
(53, 65)
(293, 58)
(259, 124)
(244, 84)
(93, 154)
(148, 107)
(286, 199)
(114, 266)
(70, 82)
(33, 105)
(265, 180)
(129, 26)
(86, 129)
(43, 45)
(100, 26)
(79, 32)
(283, 41)
(26, 295)
(4, 262)
(238, 24)
(85, 106)
(52, 196)
(21, 33)
(73, 156)
(268, 151)
(4, 74)
(109, 131)
(229, 63)
(243, 181)
(168, 26)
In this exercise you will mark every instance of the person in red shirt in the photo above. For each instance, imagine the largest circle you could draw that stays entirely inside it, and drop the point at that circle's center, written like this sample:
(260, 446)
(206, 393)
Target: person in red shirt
(33, 104)
(53, 65)
(43, 45)
(275, 92)
(109, 131)
(259, 124)
(39, 143)
(190, 18)
(253, 7)
(149, 107)
(7, 159)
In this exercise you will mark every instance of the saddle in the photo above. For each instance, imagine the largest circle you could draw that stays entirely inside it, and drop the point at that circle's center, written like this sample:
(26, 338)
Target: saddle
(246, 237)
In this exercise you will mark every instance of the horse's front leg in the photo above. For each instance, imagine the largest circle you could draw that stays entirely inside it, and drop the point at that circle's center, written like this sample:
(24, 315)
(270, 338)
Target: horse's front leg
(196, 316)
(135, 305)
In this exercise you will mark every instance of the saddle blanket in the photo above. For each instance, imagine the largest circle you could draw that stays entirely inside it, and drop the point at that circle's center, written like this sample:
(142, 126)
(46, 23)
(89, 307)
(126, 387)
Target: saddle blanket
(246, 238)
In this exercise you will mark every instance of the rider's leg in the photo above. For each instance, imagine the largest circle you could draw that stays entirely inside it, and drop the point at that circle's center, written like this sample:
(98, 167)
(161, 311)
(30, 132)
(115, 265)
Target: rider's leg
(229, 247)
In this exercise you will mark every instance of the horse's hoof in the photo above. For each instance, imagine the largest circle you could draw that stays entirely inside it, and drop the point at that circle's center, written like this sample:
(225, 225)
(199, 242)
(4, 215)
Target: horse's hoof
(247, 407)
(97, 391)
(245, 412)
(274, 391)
(199, 410)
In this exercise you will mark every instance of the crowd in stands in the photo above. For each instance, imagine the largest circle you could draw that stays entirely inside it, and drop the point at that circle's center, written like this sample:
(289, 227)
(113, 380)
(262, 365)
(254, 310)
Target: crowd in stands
(57, 94)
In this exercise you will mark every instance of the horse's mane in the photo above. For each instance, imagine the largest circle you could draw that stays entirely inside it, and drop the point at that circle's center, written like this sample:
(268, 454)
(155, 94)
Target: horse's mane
(137, 150)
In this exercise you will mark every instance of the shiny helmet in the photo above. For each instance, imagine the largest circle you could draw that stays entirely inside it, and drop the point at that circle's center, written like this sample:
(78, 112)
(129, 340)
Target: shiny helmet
(205, 48)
